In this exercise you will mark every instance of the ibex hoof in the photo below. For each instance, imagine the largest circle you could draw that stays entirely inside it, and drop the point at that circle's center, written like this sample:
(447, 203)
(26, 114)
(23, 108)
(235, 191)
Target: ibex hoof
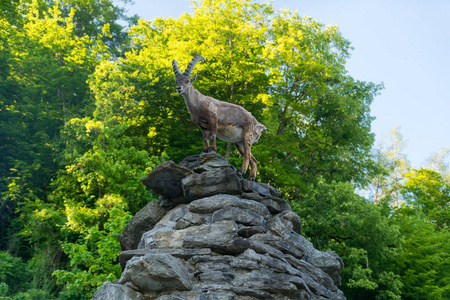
(239, 174)
(209, 150)
(251, 178)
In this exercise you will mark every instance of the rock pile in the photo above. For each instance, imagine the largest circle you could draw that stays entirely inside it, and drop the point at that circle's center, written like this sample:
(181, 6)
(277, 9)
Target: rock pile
(213, 235)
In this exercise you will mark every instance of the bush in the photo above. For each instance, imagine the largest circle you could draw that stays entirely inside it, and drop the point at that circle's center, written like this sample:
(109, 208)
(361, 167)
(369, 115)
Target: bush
(14, 275)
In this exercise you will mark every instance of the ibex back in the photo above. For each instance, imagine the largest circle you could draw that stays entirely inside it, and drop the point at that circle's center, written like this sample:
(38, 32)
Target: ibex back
(227, 121)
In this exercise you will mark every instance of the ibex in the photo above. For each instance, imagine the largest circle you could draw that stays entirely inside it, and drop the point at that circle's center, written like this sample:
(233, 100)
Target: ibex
(229, 122)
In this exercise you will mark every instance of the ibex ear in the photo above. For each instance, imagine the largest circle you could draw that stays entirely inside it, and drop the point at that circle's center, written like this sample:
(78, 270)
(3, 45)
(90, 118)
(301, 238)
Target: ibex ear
(193, 78)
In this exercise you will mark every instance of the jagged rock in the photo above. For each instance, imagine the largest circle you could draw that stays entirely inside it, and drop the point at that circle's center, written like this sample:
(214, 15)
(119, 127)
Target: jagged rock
(260, 188)
(280, 227)
(221, 238)
(190, 219)
(216, 181)
(273, 204)
(276, 205)
(114, 291)
(154, 273)
(329, 262)
(176, 238)
(273, 283)
(248, 231)
(170, 203)
(143, 221)
(239, 215)
(284, 245)
(165, 179)
(339, 259)
(168, 222)
(209, 162)
(295, 220)
(172, 217)
(190, 162)
(216, 202)
(125, 256)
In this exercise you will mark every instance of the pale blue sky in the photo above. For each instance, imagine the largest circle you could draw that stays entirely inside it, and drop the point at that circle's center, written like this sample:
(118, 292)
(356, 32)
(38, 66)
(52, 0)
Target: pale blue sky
(404, 44)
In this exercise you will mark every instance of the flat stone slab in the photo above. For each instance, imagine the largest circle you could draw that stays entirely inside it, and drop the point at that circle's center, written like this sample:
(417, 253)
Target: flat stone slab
(283, 245)
(209, 183)
(190, 162)
(216, 202)
(261, 188)
(210, 161)
(175, 238)
(239, 215)
(165, 179)
(125, 256)
(110, 290)
(274, 204)
(248, 231)
(157, 272)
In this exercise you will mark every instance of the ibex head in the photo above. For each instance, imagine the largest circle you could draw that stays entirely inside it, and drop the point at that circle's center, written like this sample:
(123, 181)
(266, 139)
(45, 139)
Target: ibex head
(183, 80)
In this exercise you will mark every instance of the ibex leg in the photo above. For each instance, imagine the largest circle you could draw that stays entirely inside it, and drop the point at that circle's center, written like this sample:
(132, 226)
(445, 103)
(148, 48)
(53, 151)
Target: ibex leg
(213, 127)
(240, 148)
(253, 162)
(206, 135)
(253, 167)
(244, 150)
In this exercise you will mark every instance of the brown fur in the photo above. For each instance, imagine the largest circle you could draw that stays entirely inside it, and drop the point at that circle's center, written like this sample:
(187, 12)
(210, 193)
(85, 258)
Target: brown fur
(227, 121)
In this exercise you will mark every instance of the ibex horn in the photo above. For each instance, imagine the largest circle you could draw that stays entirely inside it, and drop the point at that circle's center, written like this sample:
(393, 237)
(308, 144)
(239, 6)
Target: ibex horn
(176, 70)
(192, 64)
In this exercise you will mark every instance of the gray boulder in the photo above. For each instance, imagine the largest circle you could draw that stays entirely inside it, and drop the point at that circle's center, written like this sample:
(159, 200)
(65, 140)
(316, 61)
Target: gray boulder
(165, 179)
(143, 221)
(190, 162)
(208, 183)
(210, 161)
(155, 273)
(329, 262)
(116, 291)
(239, 215)
(214, 235)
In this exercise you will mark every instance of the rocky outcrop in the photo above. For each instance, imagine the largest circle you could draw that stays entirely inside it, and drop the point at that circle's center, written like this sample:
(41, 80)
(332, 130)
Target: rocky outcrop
(214, 235)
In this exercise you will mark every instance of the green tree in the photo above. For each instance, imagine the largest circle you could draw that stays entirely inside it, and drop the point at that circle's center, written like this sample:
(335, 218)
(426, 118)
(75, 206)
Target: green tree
(317, 115)
(314, 106)
(332, 219)
(290, 72)
(426, 191)
(94, 144)
(387, 184)
(14, 274)
(10, 127)
(47, 86)
(89, 17)
(439, 162)
(46, 59)
(100, 186)
(420, 201)
(423, 219)
(232, 45)
(425, 262)
(10, 11)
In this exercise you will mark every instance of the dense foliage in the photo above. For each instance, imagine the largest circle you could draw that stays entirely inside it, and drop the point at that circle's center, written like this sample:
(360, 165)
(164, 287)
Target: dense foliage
(88, 107)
